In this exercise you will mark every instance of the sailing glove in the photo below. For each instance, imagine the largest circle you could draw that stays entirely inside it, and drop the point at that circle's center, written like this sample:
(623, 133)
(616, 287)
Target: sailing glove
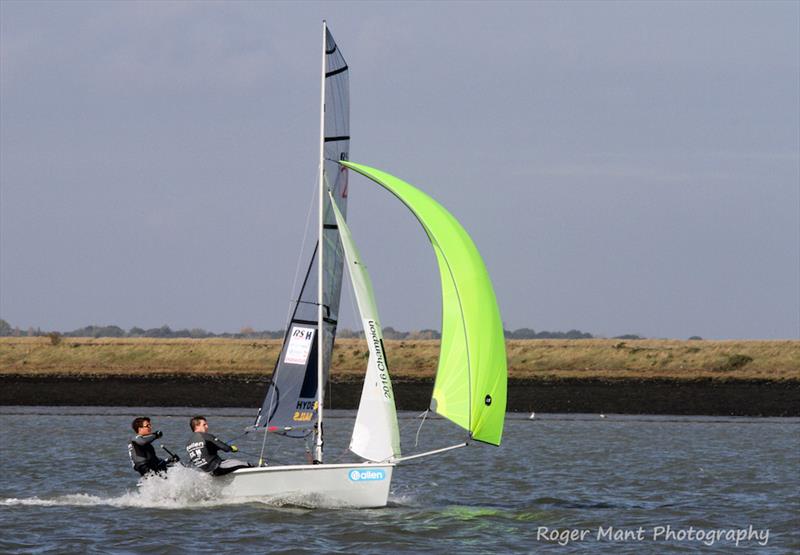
(158, 433)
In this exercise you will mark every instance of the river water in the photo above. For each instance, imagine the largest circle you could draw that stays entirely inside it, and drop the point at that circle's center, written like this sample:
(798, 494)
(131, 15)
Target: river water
(559, 483)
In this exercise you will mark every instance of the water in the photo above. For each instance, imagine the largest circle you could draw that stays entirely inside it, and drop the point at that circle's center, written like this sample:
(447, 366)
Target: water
(67, 487)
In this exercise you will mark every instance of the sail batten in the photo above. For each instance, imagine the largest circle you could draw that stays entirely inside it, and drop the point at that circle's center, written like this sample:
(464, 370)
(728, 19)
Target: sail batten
(471, 378)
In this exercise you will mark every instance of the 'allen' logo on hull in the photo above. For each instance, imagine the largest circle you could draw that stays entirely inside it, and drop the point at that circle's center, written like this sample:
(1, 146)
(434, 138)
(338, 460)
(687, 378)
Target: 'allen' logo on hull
(366, 475)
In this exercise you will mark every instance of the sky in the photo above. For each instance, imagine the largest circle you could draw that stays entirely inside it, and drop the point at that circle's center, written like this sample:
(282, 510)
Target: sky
(623, 167)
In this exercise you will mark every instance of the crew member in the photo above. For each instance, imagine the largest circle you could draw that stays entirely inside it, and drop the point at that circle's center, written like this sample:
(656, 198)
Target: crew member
(203, 448)
(140, 449)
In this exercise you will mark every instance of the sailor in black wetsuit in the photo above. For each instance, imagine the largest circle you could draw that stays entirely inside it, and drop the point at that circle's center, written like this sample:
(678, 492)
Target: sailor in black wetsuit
(140, 449)
(203, 448)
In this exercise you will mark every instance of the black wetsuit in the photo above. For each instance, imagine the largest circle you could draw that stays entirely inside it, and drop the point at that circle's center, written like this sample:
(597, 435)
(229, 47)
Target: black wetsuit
(143, 455)
(203, 448)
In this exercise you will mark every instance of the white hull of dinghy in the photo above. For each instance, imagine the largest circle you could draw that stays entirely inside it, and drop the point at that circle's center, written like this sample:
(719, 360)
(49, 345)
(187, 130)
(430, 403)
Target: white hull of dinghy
(363, 485)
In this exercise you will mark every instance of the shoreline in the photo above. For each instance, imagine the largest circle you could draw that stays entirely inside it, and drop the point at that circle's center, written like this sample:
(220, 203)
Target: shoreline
(569, 395)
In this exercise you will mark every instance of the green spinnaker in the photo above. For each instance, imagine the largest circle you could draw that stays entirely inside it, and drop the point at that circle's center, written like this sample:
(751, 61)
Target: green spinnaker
(470, 387)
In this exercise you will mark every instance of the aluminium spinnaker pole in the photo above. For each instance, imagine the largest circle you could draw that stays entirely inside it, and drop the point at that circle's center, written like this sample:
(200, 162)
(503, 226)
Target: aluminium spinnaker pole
(321, 250)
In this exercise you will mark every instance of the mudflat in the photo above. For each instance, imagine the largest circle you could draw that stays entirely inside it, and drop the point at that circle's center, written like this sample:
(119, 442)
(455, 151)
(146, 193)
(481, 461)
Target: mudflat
(753, 378)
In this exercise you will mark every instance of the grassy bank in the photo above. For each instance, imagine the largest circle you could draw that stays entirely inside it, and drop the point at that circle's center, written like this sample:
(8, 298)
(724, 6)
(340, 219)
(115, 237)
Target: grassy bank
(409, 360)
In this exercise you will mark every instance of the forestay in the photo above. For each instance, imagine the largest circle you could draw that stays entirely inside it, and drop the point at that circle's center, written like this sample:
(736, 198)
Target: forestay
(290, 406)
(376, 436)
(470, 387)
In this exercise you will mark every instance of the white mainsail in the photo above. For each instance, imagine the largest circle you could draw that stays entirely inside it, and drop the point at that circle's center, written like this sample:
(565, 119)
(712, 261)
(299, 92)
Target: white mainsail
(376, 436)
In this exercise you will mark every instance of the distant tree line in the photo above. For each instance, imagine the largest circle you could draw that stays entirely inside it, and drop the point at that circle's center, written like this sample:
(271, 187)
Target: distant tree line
(391, 333)
(527, 333)
(6, 330)
(163, 332)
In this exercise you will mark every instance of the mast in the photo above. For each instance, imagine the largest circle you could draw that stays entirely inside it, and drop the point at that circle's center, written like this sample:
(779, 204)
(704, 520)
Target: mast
(321, 250)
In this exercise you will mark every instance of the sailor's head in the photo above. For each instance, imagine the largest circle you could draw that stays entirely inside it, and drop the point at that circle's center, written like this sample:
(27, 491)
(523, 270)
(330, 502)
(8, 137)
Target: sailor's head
(198, 424)
(141, 425)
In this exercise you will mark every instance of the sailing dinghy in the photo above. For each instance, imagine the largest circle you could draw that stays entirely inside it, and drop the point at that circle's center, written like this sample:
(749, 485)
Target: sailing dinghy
(470, 386)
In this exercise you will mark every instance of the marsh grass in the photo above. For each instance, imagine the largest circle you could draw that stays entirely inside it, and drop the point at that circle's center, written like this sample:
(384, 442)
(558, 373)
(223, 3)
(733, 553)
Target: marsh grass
(408, 359)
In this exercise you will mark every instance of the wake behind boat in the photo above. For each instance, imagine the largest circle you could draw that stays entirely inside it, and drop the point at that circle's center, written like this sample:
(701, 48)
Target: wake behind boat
(470, 387)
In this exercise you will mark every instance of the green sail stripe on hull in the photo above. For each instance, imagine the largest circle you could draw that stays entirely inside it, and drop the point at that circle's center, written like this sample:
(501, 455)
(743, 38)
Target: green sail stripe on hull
(470, 386)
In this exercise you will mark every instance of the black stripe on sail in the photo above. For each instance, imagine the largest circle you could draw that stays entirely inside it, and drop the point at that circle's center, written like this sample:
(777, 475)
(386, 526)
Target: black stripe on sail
(331, 51)
(314, 322)
(330, 226)
(339, 138)
(335, 72)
